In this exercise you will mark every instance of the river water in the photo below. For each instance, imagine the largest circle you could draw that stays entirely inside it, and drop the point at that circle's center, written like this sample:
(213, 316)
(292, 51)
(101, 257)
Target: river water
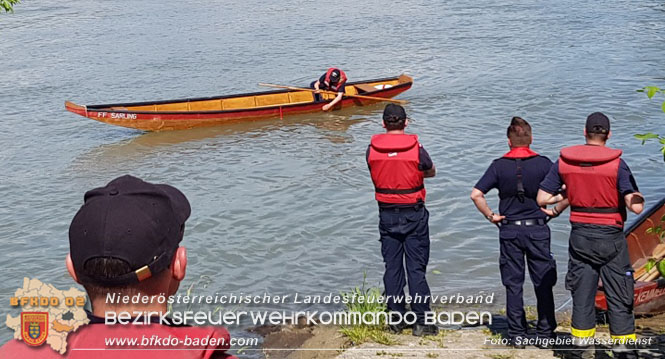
(287, 206)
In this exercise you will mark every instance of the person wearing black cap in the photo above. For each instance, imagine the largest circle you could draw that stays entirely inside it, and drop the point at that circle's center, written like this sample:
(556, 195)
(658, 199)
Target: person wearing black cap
(599, 187)
(333, 80)
(523, 230)
(125, 241)
(398, 164)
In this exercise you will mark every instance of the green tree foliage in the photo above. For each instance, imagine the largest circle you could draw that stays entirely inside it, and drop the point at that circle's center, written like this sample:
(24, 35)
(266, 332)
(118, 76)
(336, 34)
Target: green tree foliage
(8, 5)
(658, 230)
(652, 91)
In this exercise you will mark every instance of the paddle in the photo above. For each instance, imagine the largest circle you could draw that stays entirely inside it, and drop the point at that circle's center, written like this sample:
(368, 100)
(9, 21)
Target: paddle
(334, 93)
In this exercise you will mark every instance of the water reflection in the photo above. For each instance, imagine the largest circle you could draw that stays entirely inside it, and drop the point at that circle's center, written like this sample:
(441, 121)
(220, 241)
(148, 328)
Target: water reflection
(333, 126)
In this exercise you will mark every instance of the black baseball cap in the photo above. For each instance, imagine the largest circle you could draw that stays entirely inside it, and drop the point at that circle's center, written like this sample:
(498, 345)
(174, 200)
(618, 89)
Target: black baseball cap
(138, 222)
(597, 122)
(393, 112)
(334, 76)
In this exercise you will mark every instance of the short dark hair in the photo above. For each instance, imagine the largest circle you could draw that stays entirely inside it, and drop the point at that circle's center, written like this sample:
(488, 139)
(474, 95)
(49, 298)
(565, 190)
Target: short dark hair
(395, 123)
(597, 136)
(111, 267)
(105, 267)
(519, 132)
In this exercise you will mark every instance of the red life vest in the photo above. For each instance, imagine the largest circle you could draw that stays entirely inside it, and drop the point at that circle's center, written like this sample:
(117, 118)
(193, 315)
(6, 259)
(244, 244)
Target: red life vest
(94, 336)
(591, 174)
(339, 84)
(393, 161)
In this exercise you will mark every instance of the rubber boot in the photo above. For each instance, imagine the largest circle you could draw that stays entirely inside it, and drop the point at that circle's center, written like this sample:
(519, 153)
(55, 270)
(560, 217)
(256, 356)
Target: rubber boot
(624, 351)
(581, 349)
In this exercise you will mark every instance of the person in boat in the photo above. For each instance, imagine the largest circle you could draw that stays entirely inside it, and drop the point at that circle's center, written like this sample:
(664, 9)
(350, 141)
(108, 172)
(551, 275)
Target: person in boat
(599, 187)
(333, 80)
(398, 164)
(124, 240)
(523, 230)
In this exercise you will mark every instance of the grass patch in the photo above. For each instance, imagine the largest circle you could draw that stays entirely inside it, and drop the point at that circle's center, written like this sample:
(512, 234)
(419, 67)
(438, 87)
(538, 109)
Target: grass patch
(363, 333)
(530, 312)
(566, 322)
(437, 339)
(367, 301)
(492, 335)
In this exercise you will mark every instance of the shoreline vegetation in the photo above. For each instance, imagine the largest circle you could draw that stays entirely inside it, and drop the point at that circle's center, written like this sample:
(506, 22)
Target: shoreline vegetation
(303, 341)
(8, 5)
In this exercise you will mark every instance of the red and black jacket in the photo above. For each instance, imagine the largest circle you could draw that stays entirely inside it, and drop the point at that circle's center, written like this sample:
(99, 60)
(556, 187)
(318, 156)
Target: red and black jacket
(339, 84)
(591, 174)
(393, 160)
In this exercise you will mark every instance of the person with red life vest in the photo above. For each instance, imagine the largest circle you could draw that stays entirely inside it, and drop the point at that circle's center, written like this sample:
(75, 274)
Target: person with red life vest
(124, 240)
(333, 80)
(523, 231)
(398, 165)
(599, 186)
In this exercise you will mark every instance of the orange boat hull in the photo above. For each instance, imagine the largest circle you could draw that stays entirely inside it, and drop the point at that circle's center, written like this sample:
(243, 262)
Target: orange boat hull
(213, 111)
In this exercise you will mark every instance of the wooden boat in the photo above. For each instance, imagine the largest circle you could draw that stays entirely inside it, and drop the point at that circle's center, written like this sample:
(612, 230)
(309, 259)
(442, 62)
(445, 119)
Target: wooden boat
(211, 111)
(649, 295)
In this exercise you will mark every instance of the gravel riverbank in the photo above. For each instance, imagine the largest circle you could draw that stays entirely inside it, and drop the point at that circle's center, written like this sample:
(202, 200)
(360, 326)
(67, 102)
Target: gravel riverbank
(323, 342)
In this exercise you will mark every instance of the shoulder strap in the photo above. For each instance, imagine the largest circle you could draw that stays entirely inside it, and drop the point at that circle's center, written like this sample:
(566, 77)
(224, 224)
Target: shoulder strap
(520, 182)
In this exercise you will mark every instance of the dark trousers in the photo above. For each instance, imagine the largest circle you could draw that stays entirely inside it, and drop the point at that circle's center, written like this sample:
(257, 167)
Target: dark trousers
(405, 238)
(532, 242)
(317, 96)
(600, 251)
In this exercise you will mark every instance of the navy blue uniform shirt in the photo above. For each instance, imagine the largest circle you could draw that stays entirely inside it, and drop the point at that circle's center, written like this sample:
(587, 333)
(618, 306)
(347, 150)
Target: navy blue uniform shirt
(625, 181)
(502, 175)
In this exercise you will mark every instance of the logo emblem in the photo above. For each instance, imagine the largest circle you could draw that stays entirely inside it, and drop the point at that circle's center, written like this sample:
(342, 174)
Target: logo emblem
(34, 327)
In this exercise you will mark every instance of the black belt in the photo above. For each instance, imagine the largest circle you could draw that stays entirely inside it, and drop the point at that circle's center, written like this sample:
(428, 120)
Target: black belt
(525, 222)
(399, 191)
(397, 208)
(595, 209)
